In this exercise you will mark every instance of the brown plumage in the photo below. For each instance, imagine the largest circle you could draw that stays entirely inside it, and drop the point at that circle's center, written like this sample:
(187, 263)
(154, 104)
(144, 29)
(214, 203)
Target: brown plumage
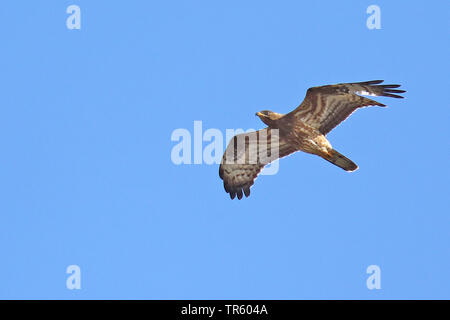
(303, 129)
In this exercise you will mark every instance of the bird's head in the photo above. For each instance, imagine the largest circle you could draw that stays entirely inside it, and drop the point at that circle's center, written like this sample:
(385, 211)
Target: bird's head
(268, 117)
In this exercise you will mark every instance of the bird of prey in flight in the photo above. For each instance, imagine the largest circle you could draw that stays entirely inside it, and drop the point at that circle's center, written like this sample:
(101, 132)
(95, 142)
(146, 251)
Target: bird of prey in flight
(303, 129)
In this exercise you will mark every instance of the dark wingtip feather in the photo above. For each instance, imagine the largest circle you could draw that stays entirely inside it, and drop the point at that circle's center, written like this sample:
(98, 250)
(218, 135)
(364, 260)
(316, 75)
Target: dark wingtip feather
(371, 82)
(392, 95)
(247, 191)
(394, 91)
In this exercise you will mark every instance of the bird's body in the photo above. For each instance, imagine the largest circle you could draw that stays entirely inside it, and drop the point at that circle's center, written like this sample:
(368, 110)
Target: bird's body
(303, 129)
(305, 137)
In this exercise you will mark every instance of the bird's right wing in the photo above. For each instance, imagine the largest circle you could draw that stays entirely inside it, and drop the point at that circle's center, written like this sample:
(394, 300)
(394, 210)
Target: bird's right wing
(325, 107)
(246, 155)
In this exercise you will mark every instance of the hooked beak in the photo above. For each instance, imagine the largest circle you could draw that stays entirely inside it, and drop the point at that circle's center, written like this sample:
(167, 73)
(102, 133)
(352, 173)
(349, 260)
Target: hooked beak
(259, 114)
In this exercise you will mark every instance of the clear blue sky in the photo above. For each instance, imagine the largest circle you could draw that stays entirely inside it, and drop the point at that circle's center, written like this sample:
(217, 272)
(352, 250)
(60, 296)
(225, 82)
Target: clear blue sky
(87, 178)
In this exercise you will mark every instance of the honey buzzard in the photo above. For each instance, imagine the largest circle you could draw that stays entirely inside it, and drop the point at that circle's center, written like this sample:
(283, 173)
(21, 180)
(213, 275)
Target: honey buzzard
(303, 129)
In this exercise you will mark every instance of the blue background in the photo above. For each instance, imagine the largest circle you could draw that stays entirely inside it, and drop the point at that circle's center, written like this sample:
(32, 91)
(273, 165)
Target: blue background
(86, 176)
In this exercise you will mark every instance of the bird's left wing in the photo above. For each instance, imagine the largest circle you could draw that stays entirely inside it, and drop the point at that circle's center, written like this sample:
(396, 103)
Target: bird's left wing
(325, 107)
(246, 155)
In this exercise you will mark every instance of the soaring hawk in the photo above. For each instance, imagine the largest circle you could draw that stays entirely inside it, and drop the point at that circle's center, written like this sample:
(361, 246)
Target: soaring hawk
(303, 129)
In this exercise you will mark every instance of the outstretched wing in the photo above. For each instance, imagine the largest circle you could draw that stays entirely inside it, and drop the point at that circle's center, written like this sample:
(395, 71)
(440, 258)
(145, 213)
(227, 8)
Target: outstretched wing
(246, 155)
(325, 107)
